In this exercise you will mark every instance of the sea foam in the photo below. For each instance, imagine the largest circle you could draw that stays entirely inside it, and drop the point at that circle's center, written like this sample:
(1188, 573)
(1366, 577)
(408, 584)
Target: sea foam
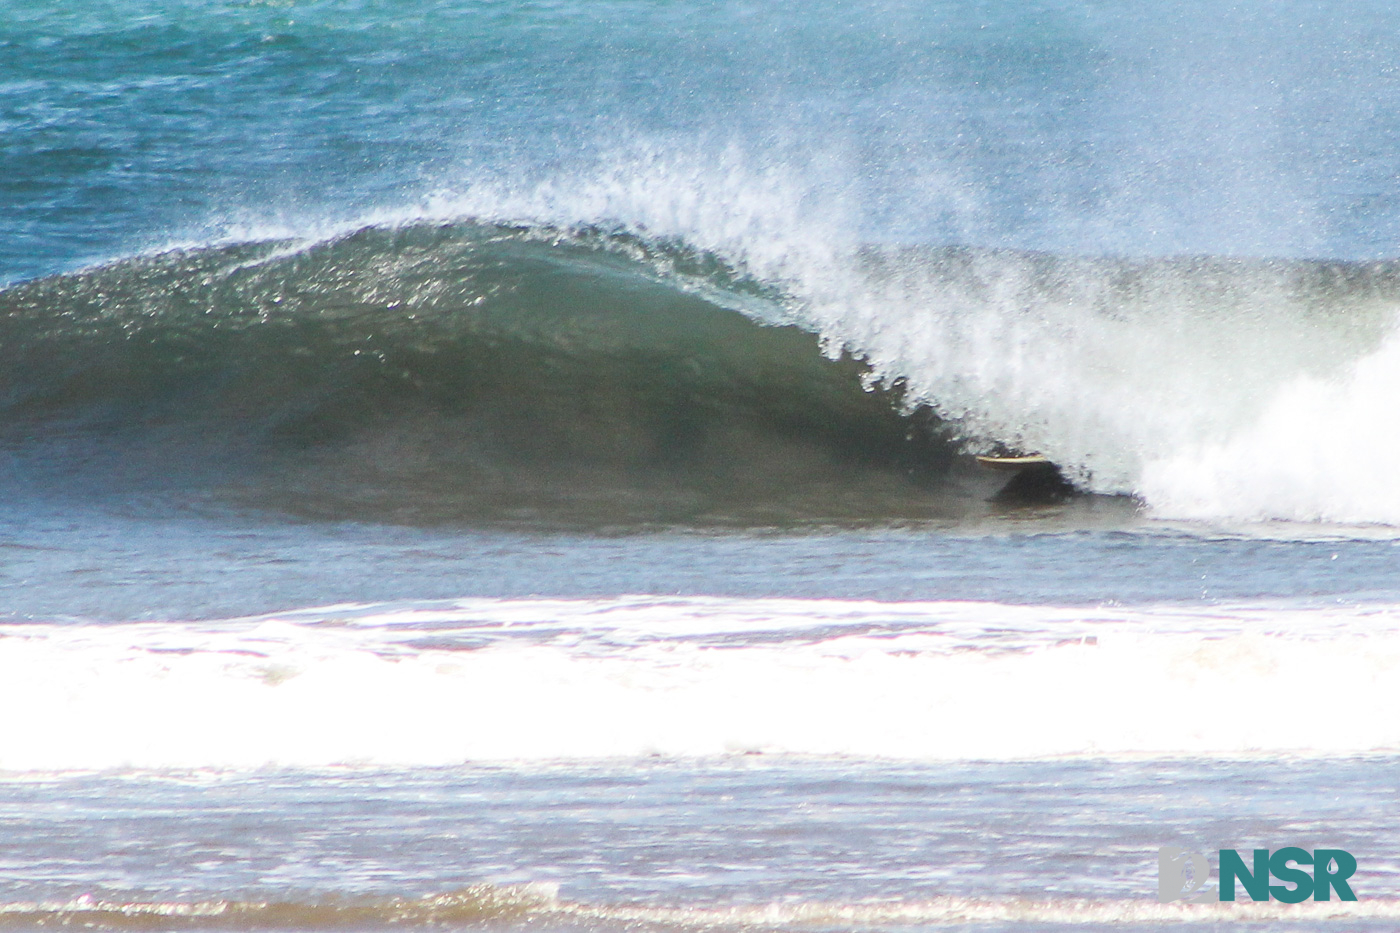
(1167, 378)
(541, 680)
(1211, 388)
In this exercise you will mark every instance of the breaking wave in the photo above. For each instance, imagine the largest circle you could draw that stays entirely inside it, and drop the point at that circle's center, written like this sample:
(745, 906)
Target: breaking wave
(455, 372)
(476, 371)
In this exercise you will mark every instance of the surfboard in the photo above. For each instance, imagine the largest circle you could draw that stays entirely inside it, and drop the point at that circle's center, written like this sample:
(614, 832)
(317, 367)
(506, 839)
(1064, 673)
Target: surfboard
(1013, 463)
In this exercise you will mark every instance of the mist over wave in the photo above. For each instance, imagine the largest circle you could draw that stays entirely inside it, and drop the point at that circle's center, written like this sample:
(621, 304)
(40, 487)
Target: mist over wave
(454, 322)
(920, 190)
(1130, 373)
(670, 364)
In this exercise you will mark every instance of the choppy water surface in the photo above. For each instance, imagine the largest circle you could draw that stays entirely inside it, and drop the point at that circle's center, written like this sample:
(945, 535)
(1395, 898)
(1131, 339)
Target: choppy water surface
(735, 844)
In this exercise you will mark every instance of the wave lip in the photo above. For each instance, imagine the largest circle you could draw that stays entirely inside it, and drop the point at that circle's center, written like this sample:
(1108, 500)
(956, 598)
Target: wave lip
(474, 371)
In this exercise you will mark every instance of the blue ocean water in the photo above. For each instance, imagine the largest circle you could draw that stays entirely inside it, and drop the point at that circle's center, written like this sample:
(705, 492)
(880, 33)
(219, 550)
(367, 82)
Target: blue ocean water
(1182, 127)
(507, 464)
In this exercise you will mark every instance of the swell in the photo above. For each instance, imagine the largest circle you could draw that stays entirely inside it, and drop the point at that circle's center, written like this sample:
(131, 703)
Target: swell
(484, 372)
(466, 372)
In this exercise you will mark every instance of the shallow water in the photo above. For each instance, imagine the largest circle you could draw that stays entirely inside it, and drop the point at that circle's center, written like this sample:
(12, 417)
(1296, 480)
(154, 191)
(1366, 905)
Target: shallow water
(742, 843)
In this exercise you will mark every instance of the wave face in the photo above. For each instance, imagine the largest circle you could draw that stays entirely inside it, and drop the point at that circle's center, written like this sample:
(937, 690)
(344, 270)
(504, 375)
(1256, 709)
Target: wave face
(594, 280)
(455, 372)
(625, 678)
(471, 371)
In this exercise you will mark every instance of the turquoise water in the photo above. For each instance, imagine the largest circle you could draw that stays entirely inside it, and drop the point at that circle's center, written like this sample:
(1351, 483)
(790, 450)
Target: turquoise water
(500, 464)
(1179, 127)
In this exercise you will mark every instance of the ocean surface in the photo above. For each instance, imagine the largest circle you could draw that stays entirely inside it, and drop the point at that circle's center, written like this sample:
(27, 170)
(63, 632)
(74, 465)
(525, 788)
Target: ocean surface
(512, 465)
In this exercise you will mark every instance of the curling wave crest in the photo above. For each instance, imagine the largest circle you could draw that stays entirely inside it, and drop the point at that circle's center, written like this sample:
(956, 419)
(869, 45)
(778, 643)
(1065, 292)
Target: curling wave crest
(615, 373)
(455, 372)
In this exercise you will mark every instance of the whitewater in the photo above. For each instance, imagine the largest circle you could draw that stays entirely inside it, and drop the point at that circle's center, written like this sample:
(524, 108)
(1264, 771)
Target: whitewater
(506, 465)
(544, 680)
